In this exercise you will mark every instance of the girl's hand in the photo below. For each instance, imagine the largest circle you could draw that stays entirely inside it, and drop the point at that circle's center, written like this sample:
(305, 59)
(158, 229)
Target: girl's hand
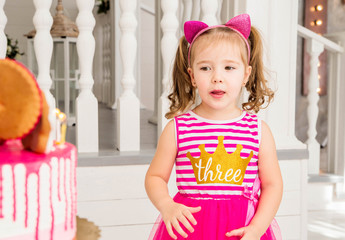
(174, 213)
(245, 233)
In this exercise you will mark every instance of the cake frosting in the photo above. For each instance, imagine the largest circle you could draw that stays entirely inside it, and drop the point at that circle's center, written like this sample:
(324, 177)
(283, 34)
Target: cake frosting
(37, 193)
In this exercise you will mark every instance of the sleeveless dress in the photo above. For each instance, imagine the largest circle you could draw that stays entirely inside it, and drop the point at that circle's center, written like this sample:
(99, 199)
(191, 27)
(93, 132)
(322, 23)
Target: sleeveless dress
(217, 169)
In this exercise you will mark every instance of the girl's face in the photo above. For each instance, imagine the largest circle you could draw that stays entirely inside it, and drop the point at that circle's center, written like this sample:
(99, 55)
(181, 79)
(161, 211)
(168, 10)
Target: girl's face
(218, 72)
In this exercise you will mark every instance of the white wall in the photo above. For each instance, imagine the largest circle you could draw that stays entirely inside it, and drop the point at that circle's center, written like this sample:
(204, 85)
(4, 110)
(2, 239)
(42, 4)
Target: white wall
(292, 213)
(335, 16)
(114, 198)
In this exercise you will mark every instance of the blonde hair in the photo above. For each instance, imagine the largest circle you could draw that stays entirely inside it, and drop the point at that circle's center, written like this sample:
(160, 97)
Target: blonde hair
(183, 93)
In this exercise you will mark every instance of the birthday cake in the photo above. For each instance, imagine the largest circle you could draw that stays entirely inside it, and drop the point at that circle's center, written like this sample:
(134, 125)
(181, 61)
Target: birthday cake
(38, 195)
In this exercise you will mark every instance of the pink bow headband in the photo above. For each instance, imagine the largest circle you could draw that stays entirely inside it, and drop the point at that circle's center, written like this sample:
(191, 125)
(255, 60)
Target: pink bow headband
(240, 24)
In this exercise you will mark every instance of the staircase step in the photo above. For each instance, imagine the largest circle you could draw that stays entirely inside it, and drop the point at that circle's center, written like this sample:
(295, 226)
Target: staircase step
(325, 178)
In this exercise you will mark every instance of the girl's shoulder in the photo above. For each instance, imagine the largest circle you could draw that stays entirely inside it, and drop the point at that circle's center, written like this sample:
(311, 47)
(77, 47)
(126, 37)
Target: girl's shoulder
(251, 116)
(256, 118)
(184, 115)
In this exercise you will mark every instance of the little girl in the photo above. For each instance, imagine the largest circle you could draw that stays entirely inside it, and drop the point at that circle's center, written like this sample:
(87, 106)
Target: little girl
(227, 172)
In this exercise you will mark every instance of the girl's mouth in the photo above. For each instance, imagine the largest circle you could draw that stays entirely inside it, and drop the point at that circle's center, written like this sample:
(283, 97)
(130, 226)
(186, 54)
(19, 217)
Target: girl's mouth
(217, 93)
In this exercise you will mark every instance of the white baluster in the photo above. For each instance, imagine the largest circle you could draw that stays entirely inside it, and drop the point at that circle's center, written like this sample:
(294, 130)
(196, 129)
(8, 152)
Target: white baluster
(227, 10)
(187, 12)
(128, 105)
(169, 25)
(158, 63)
(86, 104)
(43, 45)
(209, 10)
(100, 66)
(196, 10)
(98, 60)
(314, 48)
(115, 15)
(105, 61)
(108, 63)
(336, 113)
(219, 11)
(3, 39)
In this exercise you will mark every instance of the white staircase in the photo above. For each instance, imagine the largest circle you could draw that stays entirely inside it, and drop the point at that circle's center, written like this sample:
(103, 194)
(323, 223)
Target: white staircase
(324, 190)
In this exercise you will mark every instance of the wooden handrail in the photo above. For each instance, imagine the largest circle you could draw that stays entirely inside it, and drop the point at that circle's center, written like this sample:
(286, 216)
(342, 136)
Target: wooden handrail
(328, 44)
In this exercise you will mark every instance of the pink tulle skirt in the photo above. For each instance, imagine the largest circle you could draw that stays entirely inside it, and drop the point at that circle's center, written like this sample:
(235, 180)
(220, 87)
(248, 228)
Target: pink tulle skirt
(216, 218)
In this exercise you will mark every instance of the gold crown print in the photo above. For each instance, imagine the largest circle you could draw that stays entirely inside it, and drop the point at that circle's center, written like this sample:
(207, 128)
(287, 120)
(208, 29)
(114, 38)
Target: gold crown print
(220, 167)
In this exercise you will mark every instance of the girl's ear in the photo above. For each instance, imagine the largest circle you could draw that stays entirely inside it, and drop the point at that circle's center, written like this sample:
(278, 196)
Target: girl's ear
(191, 74)
(246, 75)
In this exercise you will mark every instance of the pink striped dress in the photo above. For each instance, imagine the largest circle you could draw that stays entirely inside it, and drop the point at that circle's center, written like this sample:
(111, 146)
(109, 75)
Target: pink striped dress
(217, 169)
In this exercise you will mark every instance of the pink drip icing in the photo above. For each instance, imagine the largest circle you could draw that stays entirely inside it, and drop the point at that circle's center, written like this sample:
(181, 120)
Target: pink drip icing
(51, 203)
(59, 196)
(26, 200)
(14, 195)
(38, 206)
(65, 192)
(1, 214)
(71, 190)
(75, 182)
(12, 153)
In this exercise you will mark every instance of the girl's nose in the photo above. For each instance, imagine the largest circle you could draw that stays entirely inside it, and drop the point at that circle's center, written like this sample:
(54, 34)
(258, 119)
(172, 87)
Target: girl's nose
(217, 78)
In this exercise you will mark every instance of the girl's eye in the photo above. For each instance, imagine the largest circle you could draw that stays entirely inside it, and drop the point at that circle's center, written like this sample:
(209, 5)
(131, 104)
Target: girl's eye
(205, 68)
(229, 68)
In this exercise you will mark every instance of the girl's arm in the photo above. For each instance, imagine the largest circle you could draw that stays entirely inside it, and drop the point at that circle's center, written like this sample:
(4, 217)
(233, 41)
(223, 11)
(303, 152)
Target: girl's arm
(271, 189)
(156, 180)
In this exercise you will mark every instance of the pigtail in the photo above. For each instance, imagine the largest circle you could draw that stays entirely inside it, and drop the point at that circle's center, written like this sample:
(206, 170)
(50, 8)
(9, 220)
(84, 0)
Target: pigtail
(183, 92)
(257, 85)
